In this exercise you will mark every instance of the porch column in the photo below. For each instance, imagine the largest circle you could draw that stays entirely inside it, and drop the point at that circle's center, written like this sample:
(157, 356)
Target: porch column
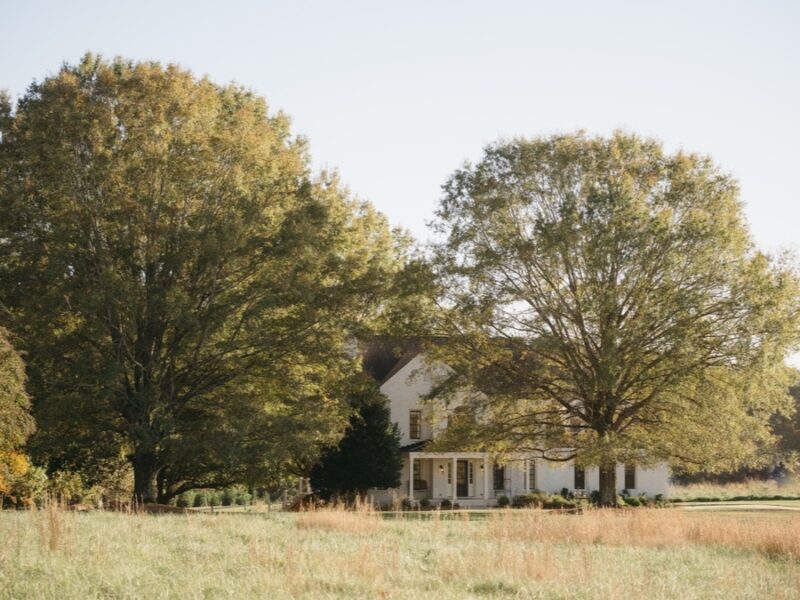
(410, 476)
(453, 479)
(486, 479)
(526, 466)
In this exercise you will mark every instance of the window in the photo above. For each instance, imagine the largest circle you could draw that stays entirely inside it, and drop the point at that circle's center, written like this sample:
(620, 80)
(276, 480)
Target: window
(580, 478)
(630, 477)
(471, 470)
(531, 474)
(449, 472)
(415, 424)
(499, 477)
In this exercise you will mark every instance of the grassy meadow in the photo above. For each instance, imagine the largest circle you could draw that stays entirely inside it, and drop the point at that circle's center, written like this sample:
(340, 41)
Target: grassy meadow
(668, 553)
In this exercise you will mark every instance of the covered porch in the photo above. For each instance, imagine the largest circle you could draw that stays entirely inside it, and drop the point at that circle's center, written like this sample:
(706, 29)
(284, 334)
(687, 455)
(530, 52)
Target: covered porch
(466, 478)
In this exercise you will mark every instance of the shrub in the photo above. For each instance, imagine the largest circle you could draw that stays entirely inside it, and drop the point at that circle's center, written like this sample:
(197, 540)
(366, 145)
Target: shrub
(68, 487)
(594, 497)
(31, 489)
(185, 499)
(425, 503)
(228, 497)
(405, 504)
(503, 501)
(520, 501)
(534, 499)
(243, 499)
(456, 506)
(214, 499)
(445, 504)
(200, 500)
(557, 501)
(631, 500)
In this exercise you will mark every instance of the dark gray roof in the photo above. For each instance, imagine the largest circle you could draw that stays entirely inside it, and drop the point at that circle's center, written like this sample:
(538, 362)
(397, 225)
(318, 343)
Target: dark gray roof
(383, 357)
(415, 447)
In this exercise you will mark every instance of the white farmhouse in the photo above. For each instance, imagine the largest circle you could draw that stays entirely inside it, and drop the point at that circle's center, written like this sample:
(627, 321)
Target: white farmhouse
(472, 478)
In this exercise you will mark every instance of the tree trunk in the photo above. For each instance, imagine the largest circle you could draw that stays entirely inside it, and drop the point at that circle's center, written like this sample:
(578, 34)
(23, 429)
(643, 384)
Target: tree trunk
(608, 484)
(145, 476)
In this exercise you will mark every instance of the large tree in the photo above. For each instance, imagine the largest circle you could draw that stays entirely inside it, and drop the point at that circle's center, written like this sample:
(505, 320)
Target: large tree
(184, 285)
(604, 301)
(368, 456)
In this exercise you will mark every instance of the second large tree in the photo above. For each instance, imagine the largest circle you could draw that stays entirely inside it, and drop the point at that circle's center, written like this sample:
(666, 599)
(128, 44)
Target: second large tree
(604, 301)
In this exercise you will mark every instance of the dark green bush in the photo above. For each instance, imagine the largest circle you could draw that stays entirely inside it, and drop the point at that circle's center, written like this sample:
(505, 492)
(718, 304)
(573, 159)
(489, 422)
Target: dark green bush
(200, 500)
(185, 499)
(534, 499)
(520, 501)
(425, 503)
(228, 497)
(503, 501)
(557, 501)
(243, 499)
(632, 500)
(445, 504)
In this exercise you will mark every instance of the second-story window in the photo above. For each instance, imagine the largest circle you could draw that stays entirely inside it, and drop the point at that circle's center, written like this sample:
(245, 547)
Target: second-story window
(415, 424)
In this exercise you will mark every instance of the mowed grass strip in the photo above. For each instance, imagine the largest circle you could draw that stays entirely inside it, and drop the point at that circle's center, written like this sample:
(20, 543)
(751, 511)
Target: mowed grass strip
(340, 554)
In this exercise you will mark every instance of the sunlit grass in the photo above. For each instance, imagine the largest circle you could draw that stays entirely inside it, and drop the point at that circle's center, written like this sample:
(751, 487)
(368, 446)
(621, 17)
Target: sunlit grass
(341, 554)
(751, 488)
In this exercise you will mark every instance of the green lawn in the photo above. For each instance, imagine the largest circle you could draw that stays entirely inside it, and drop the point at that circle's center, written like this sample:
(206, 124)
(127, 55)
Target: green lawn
(509, 554)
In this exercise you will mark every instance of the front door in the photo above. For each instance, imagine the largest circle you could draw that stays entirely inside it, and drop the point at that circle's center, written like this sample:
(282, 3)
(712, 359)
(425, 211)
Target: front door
(462, 479)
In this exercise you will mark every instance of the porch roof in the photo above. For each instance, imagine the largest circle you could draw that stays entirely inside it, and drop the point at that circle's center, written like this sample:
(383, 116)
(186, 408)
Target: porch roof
(413, 447)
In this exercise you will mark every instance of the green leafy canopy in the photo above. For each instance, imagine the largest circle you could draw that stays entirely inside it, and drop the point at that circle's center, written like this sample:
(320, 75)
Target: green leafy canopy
(601, 295)
(185, 287)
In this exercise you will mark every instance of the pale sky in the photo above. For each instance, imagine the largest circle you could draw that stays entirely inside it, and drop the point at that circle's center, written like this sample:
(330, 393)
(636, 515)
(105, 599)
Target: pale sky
(395, 96)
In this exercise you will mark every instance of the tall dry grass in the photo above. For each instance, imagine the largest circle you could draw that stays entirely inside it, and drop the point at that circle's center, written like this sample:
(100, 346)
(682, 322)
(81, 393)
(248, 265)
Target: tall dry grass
(651, 528)
(360, 517)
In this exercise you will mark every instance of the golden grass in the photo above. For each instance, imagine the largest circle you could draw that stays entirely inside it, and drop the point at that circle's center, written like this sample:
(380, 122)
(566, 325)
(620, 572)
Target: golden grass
(652, 528)
(359, 519)
(336, 553)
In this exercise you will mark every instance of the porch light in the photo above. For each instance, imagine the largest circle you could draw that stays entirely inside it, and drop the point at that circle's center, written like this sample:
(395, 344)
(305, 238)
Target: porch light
(481, 466)
(441, 469)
